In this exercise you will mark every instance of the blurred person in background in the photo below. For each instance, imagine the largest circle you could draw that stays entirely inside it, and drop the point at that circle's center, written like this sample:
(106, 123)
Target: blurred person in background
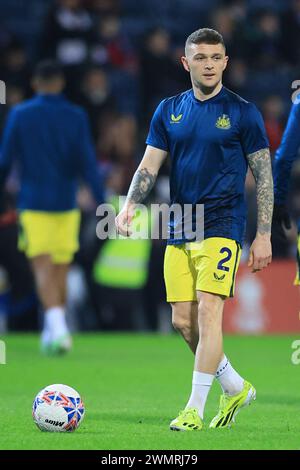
(15, 72)
(212, 135)
(223, 20)
(120, 271)
(265, 45)
(67, 32)
(15, 67)
(14, 94)
(67, 36)
(285, 156)
(112, 47)
(103, 7)
(158, 70)
(273, 112)
(237, 77)
(290, 29)
(96, 97)
(49, 139)
(154, 60)
(116, 144)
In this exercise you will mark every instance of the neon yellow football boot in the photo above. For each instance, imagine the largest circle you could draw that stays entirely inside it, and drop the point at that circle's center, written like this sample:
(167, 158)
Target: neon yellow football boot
(187, 420)
(230, 406)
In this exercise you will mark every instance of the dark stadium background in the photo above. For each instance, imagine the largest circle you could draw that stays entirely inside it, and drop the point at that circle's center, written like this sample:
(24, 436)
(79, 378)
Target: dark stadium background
(121, 57)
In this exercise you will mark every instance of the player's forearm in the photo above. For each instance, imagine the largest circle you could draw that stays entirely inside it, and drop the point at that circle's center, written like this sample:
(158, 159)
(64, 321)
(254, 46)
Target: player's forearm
(141, 185)
(260, 164)
(145, 176)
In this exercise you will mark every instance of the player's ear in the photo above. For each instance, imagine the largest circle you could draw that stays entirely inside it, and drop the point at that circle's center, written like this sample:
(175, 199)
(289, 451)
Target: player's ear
(185, 63)
(226, 58)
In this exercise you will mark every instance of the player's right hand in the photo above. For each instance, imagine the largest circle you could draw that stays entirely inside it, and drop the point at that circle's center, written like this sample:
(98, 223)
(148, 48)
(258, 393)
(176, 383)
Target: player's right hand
(123, 221)
(281, 221)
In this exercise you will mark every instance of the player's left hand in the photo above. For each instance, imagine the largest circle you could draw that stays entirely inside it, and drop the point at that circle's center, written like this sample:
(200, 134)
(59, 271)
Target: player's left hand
(260, 253)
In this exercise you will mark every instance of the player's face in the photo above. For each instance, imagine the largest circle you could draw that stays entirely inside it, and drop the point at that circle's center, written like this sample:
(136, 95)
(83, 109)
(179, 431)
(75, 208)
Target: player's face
(206, 63)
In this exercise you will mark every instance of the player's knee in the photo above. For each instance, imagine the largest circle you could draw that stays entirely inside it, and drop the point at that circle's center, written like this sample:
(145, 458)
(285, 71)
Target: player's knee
(181, 322)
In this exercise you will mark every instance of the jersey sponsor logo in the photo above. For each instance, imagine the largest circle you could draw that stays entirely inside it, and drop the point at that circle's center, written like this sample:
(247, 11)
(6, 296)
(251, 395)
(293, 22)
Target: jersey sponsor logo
(174, 119)
(219, 278)
(223, 122)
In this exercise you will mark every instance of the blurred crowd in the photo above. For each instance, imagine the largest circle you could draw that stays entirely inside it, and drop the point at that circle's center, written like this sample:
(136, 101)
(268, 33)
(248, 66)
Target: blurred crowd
(121, 57)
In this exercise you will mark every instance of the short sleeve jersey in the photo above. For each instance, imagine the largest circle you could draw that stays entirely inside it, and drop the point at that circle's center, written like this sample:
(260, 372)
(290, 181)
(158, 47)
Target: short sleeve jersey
(208, 142)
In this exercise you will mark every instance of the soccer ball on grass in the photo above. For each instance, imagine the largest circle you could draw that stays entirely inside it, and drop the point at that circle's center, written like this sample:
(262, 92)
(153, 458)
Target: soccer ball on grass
(58, 408)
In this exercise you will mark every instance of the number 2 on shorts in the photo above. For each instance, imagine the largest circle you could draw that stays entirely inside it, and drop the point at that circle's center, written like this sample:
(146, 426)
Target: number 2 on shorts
(224, 260)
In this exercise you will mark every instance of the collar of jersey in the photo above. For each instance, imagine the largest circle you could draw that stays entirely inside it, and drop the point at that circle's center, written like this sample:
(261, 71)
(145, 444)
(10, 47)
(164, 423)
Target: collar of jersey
(209, 100)
(50, 96)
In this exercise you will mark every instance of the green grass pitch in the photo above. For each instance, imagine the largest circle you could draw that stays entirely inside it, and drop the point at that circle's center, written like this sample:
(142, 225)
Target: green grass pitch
(133, 385)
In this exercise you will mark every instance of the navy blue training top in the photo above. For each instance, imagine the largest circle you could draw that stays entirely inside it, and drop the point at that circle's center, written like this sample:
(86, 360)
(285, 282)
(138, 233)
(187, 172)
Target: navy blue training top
(208, 142)
(50, 140)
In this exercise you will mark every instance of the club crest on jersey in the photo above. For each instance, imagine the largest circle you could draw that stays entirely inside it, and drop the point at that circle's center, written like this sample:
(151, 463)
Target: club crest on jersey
(223, 122)
(174, 119)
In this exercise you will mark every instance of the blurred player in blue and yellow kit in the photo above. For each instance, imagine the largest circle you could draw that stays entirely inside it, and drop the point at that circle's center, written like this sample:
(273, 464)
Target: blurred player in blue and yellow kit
(48, 138)
(211, 135)
(284, 158)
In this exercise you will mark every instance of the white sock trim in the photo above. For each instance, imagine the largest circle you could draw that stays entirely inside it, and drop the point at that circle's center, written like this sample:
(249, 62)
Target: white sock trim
(229, 379)
(222, 367)
(57, 310)
(201, 378)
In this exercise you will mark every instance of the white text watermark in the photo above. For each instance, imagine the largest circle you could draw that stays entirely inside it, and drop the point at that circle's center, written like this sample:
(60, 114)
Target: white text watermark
(156, 222)
(296, 94)
(2, 92)
(2, 352)
(295, 358)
